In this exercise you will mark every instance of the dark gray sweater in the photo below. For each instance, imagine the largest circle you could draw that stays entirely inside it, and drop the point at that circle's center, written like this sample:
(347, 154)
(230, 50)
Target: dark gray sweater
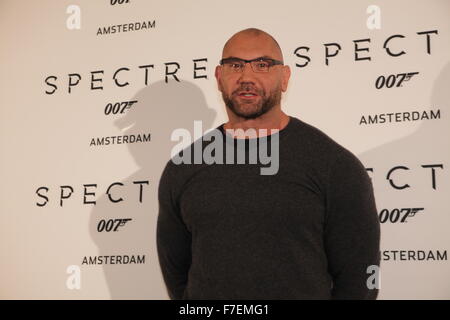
(307, 232)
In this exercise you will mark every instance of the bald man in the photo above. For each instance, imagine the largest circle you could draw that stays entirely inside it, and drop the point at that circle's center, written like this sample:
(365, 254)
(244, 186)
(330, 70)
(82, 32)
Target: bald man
(308, 230)
(262, 109)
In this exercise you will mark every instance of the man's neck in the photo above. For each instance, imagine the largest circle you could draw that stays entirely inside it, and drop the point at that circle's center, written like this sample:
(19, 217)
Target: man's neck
(271, 121)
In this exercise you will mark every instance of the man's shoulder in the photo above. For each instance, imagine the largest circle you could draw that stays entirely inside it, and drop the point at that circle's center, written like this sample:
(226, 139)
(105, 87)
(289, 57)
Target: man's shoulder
(313, 138)
(183, 164)
(317, 142)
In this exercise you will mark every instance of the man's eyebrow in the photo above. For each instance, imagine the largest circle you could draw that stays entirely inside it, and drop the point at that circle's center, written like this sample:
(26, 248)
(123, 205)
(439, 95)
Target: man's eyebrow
(266, 57)
(231, 58)
(261, 57)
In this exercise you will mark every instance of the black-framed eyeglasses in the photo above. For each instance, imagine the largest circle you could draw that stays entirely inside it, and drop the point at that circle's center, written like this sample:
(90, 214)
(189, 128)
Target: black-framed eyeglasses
(260, 64)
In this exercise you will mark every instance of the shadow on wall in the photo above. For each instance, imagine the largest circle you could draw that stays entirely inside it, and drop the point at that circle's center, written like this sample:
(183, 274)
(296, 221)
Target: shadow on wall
(161, 108)
(428, 145)
(429, 141)
(164, 107)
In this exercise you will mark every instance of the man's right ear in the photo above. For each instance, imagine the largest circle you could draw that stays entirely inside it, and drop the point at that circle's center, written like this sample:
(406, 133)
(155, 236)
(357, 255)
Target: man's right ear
(218, 74)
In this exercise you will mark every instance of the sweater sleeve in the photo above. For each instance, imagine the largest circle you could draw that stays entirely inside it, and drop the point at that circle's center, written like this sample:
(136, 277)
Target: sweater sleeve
(352, 229)
(173, 238)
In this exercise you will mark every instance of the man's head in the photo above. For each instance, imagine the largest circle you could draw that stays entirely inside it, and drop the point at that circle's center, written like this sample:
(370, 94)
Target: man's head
(250, 90)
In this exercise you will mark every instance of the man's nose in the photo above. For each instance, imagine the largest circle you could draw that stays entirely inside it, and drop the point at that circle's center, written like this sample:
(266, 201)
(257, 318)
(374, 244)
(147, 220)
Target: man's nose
(247, 73)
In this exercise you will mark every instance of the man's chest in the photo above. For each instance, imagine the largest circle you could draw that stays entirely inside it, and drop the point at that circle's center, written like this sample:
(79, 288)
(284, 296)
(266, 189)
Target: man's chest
(239, 199)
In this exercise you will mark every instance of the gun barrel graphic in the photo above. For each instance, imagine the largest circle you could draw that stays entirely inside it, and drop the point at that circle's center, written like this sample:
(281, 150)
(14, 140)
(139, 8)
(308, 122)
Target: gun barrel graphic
(414, 211)
(130, 103)
(124, 221)
(409, 75)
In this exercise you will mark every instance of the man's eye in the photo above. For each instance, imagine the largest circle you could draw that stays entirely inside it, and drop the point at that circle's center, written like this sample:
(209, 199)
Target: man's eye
(236, 65)
(263, 64)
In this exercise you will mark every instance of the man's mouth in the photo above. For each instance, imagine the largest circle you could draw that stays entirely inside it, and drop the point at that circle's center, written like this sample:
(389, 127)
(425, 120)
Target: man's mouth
(247, 94)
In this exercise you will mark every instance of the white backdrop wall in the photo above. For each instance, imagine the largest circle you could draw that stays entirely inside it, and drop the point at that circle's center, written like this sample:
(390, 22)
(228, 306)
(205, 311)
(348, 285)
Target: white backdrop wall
(68, 166)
